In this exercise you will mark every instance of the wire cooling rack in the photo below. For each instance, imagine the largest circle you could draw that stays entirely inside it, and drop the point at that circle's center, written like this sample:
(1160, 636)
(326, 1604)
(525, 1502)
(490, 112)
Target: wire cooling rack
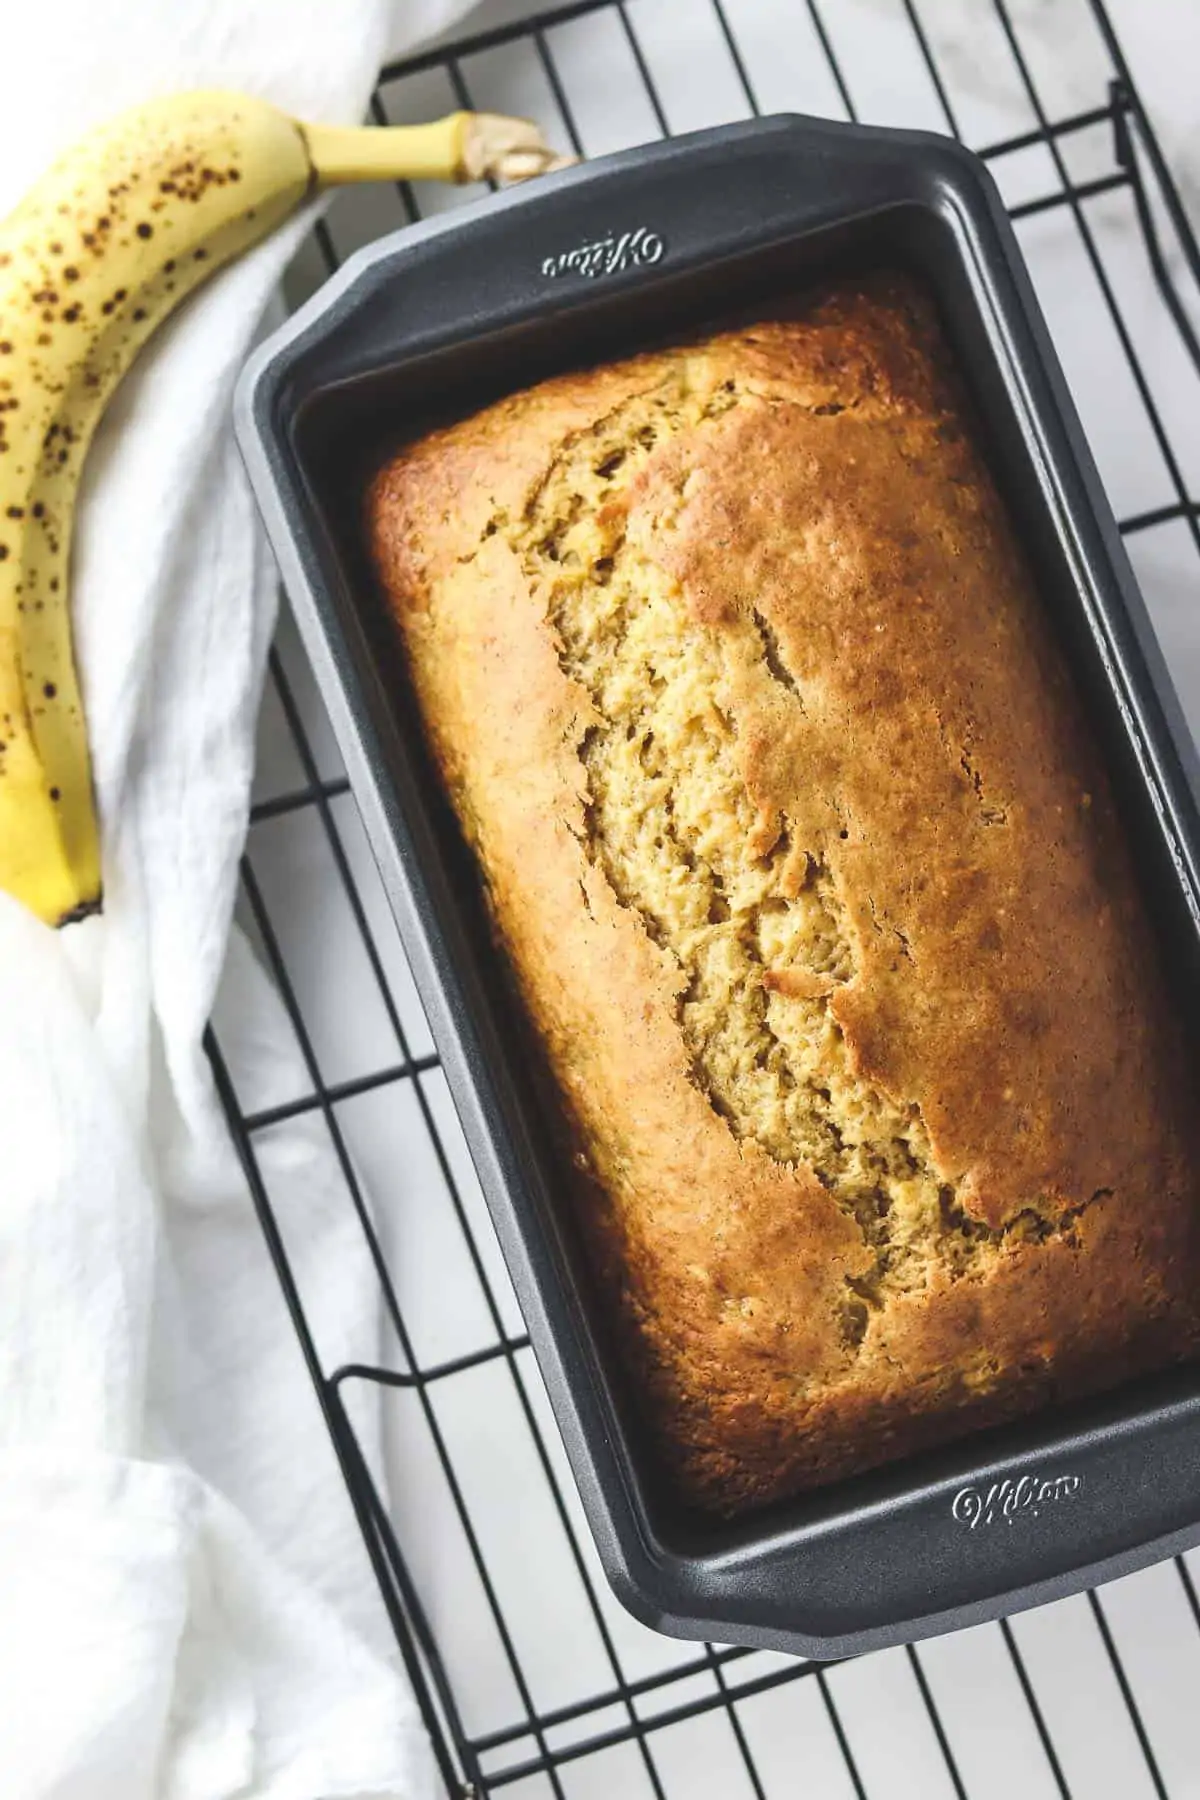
(531, 1679)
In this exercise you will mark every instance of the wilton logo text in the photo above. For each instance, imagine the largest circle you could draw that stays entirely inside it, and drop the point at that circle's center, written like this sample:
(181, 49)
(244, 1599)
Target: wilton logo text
(1007, 1500)
(639, 248)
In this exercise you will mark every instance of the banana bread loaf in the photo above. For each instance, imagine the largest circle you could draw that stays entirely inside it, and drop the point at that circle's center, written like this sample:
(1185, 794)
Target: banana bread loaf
(808, 872)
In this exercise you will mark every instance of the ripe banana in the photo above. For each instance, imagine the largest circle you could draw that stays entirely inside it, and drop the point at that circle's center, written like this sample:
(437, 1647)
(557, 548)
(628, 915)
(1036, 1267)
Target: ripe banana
(110, 240)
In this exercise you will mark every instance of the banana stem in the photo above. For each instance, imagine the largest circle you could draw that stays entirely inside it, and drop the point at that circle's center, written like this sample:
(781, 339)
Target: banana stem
(463, 146)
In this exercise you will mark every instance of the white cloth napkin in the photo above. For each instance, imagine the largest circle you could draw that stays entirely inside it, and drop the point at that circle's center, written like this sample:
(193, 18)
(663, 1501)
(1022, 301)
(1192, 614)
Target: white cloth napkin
(186, 1610)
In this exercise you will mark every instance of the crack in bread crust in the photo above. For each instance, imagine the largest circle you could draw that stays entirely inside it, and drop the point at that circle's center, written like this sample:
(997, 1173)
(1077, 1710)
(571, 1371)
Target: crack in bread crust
(752, 920)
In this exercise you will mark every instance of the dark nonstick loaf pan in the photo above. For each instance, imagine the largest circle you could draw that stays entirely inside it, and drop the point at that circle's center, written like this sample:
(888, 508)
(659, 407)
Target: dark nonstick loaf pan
(592, 263)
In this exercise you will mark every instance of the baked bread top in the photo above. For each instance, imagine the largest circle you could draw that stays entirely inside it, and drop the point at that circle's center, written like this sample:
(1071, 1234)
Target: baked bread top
(804, 859)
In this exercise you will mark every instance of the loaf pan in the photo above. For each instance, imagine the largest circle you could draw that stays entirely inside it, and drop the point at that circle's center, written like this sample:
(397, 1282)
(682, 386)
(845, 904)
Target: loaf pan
(595, 262)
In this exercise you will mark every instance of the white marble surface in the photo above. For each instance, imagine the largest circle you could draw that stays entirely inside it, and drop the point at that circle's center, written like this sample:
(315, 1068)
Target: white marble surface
(451, 1305)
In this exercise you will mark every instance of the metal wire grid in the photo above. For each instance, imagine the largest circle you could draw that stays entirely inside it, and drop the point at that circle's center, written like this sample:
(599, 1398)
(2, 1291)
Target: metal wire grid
(540, 1749)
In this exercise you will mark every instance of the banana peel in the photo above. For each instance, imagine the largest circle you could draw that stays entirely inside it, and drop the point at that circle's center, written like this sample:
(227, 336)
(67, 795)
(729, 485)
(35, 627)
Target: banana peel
(106, 245)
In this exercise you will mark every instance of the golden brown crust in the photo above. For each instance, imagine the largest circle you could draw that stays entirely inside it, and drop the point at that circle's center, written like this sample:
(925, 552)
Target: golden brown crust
(811, 881)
